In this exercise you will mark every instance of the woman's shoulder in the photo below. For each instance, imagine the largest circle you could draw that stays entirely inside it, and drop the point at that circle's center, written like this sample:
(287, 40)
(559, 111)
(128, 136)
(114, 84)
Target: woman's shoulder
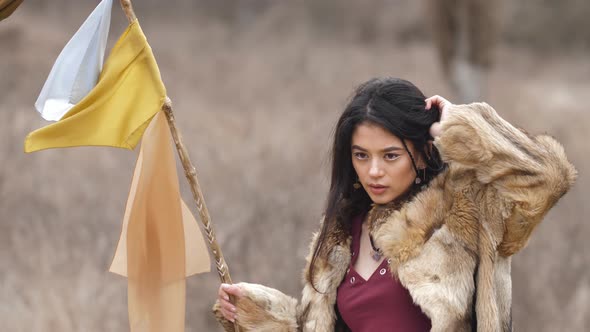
(448, 204)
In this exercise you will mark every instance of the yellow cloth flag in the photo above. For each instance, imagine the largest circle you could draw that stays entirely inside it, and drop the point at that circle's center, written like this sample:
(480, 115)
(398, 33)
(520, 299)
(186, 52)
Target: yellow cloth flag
(116, 112)
(160, 242)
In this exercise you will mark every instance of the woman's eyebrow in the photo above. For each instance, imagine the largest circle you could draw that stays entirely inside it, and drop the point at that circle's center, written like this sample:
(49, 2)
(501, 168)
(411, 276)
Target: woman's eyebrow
(389, 149)
(392, 148)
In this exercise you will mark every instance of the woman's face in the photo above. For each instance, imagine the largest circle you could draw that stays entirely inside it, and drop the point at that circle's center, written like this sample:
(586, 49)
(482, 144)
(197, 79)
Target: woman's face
(383, 166)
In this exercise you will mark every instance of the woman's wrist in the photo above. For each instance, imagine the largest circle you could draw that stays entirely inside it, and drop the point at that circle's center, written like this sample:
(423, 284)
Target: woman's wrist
(435, 130)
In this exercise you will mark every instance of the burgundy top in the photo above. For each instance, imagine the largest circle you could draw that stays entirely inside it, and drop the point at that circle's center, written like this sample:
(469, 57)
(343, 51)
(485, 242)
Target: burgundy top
(380, 303)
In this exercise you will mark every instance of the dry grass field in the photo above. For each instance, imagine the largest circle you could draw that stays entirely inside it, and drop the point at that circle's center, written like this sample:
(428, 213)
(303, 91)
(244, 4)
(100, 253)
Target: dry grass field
(256, 101)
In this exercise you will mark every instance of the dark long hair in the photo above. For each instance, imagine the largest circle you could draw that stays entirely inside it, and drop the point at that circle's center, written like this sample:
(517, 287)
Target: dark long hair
(399, 107)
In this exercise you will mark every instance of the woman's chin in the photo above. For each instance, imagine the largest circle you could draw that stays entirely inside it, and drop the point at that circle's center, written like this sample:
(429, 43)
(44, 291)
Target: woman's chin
(381, 199)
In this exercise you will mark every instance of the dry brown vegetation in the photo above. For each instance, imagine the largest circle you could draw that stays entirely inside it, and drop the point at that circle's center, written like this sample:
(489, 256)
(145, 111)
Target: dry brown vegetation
(257, 90)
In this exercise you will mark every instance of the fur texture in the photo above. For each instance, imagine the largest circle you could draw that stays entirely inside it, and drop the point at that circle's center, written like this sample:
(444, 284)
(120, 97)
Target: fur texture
(450, 246)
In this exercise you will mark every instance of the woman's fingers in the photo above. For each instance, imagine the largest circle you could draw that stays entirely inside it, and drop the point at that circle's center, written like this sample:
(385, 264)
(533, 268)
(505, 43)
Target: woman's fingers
(229, 315)
(222, 294)
(228, 306)
(438, 101)
(228, 309)
(231, 290)
(428, 103)
(443, 105)
(432, 100)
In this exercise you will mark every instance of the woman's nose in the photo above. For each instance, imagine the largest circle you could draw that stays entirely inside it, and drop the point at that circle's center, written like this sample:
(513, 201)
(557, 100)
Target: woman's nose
(375, 170)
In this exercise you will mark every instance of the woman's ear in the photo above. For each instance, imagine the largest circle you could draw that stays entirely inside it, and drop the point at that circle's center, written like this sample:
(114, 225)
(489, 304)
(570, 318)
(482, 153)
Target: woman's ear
(426, 153)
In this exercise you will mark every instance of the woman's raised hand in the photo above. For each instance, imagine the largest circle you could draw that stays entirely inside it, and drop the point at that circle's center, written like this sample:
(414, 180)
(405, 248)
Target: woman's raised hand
(443, 105)
(228, 310)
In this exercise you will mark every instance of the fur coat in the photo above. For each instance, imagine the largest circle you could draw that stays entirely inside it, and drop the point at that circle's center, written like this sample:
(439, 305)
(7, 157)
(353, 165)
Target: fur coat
(450, 245)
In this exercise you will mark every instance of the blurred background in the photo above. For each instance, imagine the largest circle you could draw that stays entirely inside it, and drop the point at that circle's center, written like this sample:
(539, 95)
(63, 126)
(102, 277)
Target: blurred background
(258, 86)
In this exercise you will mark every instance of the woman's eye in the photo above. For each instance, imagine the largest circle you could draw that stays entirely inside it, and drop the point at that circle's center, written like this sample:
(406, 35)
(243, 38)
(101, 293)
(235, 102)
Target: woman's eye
(391, 156)
(360, 155)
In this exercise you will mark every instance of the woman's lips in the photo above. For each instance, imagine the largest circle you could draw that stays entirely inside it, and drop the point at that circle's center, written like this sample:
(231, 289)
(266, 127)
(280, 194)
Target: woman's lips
(377, 189)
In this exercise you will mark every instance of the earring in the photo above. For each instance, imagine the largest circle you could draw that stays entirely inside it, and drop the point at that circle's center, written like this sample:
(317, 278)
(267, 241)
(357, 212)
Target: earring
(356, 185)
(418, 179)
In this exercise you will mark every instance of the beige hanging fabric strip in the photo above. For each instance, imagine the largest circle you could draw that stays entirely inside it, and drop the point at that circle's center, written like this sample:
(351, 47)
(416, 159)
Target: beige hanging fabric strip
(160, 243)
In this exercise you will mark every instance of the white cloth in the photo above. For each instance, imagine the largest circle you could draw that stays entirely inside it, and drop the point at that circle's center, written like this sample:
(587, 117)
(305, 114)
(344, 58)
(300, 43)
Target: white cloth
(77, 67)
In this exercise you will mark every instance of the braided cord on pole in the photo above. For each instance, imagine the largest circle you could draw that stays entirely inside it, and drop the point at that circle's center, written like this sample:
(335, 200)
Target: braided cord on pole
(191, 175)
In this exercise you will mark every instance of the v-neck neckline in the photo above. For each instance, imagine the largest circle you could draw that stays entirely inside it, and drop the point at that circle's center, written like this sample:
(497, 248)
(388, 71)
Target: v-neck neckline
(378, 268)
(356, 248)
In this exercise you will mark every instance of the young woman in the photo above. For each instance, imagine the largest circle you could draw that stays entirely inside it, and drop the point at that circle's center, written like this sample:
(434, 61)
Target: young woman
(428, 202)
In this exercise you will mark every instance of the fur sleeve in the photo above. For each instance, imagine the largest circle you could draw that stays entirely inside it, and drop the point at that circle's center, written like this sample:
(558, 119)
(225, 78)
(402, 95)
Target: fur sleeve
(531, 173)
(262, 309)
(266, 309)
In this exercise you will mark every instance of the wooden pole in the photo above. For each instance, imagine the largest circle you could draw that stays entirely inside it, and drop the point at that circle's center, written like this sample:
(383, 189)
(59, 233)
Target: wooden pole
(191, 175)
(128, 9)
